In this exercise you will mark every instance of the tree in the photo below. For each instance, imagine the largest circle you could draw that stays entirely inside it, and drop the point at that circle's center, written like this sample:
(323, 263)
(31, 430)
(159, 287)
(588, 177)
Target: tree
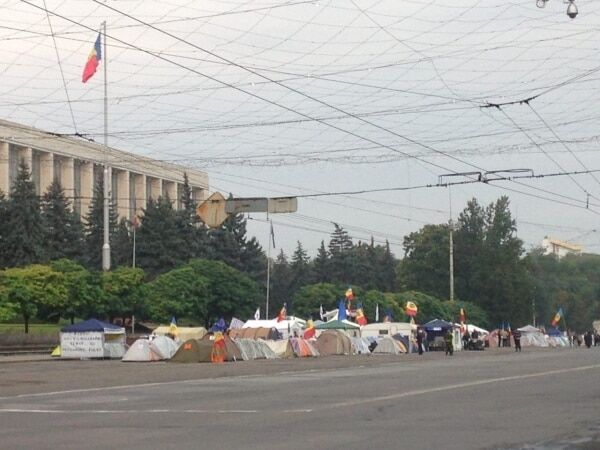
(340, 249)
(191, 228)
(425, 264)
(299, 272)
(3, 229)
(94, 228)
(321, 265)
(231, 292)
(30, 288)
(84, 296)
(280, 280)
(178, 293)
(123, 292)
(160, 246)
(63, 231)
(24, 236)
(230, 245)
(308, 300)
(122, 244)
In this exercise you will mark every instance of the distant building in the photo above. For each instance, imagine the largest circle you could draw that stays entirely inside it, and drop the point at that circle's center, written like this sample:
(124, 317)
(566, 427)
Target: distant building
(78, 164)
(559, 248)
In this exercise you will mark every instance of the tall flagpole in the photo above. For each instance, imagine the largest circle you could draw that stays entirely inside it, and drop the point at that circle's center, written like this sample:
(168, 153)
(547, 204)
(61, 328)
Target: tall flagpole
(106, 245)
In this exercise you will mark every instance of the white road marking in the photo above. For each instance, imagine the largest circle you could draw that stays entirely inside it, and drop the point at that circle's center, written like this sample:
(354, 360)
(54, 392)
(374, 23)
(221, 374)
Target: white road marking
(295, 411)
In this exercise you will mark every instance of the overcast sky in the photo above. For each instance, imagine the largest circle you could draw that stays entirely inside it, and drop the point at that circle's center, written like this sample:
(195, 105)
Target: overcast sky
(276, 98)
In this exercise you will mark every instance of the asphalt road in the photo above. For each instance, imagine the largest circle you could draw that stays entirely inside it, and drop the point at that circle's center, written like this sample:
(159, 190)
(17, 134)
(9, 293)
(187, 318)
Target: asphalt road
(496, 399)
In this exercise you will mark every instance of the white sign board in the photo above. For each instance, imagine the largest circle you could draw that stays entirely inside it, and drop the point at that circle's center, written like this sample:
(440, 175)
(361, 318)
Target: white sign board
(82, 345)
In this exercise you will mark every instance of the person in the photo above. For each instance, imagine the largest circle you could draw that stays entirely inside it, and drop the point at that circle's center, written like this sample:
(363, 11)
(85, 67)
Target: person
(449, 340)
(587, 338)
(420, 340)
(517, 338)
(465, 339)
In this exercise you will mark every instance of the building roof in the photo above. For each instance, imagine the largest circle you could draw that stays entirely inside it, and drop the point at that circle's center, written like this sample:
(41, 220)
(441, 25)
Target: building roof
(26, 136)
(566, 245)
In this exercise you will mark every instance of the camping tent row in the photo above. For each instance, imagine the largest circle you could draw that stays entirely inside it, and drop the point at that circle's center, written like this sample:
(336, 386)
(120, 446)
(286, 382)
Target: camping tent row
(534, 337)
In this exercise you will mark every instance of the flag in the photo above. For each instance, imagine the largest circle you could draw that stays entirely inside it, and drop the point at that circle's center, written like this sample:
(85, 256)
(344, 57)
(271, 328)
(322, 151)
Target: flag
(310, 329)
(272, 235)
(218, 353)
(220, 325)
(557, 317)
(349, 294)
(342, 310)
(173, 327)
(377, 312)
(321, 312)
(93, 60)
(135, 222)
(463, 317)
(257, 314)
(235, 323)
(361, 319)
(282, 313)
(411, 309)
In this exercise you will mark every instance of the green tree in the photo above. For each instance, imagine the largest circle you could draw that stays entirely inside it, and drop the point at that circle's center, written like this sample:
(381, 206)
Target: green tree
(321, 265)
(3, 229)
(178, 293)
(190, 227)
(123, 292)
(24, 238)
(299, 273)
(280, 280)
(122, 244)
(341, 256)
(231, 292)
(308, 300)
(63, 231)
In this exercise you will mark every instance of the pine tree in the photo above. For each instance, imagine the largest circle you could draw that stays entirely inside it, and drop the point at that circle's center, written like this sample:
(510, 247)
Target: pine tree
(3, 228)
(299, 271)
(24, 228)
(280, 280)
(321, 266)
(94, 228)
(122, 244)
(342, 260)
(63, 231)
(191, 228)
(159, 244)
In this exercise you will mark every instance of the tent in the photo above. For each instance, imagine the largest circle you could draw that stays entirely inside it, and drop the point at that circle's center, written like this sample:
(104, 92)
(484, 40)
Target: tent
(232, 350)
(193, 350)
(351, 328)
(333, 342)
(303, 347)
(532, 337)
(292, 326)
(255, 349)
(389, 346)
(164, 346)
(183, 333)
(255, 333)
(92, 339)
(157, 349)
(360, 345)
(282, 348)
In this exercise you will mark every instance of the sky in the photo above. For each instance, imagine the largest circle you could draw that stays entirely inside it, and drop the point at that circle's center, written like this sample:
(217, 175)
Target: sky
(333, 97)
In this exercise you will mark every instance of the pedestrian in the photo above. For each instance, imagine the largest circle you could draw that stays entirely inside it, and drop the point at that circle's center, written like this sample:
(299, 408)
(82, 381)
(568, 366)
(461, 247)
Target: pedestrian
(517, 338)
(420, 340)
(449, 340)
(587, 338)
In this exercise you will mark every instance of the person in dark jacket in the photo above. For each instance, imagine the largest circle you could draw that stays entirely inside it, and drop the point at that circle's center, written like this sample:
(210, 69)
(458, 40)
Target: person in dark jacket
(517, 338)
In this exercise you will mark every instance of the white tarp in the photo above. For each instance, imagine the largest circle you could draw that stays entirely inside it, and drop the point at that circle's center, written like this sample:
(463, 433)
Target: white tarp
(289, 327)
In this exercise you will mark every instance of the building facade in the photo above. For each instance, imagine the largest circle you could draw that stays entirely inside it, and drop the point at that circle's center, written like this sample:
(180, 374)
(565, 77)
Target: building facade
(559, 248)
(79, 165)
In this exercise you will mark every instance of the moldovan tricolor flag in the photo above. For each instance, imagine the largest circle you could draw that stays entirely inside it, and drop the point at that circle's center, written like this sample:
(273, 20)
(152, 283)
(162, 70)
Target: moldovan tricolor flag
(310, 329)
(557, 317)
(93, 60)
(282, 314)
(361, 319)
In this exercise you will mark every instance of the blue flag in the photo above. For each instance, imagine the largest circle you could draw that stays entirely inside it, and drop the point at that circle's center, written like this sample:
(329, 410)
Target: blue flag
(342, 310)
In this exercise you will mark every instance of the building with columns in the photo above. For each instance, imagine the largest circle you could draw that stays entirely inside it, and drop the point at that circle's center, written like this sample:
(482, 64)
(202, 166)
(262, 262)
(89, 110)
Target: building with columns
(78, 164)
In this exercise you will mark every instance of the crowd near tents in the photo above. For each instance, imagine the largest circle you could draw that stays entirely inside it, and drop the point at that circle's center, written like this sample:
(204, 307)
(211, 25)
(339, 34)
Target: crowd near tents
(289, 337)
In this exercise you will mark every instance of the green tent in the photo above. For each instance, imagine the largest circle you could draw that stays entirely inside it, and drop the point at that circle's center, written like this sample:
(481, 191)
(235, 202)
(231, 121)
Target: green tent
(193, 351)
(338, 325)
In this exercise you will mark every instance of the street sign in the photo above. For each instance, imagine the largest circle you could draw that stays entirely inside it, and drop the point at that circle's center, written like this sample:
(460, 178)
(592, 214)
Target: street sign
(212, 210)
(283, 205)
(245, 205)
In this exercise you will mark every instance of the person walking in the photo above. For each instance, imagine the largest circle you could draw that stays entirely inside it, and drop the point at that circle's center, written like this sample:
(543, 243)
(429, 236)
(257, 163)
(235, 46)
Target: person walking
(420, 334)
(449, 340)
(517, 338)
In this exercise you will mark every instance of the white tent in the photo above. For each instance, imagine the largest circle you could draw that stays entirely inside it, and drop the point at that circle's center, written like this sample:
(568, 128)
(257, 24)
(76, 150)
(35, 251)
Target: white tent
(92, 339)
(157, 349)
(286, 328)
(532, 337)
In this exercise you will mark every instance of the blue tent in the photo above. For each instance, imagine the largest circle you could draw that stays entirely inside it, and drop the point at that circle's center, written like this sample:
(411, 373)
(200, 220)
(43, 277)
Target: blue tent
(437, 326)
(220, 325)
(91, 325)
(554, 332)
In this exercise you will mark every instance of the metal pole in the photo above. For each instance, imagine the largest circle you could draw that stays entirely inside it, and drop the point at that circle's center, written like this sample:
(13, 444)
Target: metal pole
(451, 250)
(268, 271)
(106, 245)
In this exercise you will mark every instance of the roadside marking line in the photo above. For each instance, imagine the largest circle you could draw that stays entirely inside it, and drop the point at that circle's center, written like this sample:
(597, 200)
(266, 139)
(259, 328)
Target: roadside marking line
(457, 386)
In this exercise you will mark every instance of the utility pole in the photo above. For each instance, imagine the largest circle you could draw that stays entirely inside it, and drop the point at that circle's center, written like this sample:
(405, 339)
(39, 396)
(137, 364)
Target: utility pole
(451, 226)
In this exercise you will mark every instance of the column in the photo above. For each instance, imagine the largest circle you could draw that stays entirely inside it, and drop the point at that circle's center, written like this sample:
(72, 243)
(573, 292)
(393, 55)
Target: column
(46, 170)
(26, 155)
(86, 189)
(4, 168)
(123, 193)
(140, 193)
(67, 176)
(170, 190)
(156, 188)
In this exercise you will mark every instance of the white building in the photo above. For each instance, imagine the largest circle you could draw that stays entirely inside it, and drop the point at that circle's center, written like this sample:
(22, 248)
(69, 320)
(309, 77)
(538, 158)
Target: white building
(78, 164)
(559, 248)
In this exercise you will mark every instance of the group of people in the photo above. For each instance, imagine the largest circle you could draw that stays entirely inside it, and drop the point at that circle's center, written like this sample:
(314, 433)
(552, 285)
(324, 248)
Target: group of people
(590, 338)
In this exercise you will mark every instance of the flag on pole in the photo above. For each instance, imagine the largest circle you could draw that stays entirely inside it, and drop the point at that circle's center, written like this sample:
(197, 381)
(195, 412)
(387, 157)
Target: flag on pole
(377, 312)
(557, 317)
(310, 329)
(342, 310)
(282, 313)
(411, 309)
(321, 312)
(257, 314)
(272, 234)
(349, 294)
(361, 319)
(93, 60)
(173, 327)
